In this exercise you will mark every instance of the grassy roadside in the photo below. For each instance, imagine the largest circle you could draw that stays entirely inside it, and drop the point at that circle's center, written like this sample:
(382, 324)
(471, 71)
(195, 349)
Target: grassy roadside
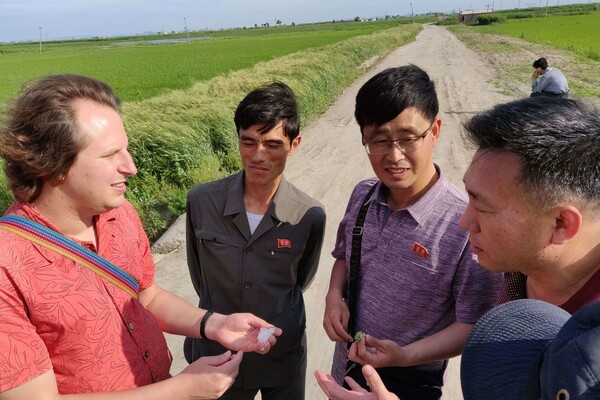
(511, 59)
(187, 136)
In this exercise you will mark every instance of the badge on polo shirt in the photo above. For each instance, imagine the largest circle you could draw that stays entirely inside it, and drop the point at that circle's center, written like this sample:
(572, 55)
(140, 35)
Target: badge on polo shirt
(284, 244)
(420, 250)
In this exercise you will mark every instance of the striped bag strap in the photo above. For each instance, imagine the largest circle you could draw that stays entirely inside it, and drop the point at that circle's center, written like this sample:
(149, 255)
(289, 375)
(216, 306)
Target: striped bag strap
(66, 247)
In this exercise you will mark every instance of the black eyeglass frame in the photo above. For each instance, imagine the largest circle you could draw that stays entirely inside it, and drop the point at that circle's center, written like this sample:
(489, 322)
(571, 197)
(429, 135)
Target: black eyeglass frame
(397, 142)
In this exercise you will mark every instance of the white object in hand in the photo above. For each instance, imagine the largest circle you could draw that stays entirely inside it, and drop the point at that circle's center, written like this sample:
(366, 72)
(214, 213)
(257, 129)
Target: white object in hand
(265, 334)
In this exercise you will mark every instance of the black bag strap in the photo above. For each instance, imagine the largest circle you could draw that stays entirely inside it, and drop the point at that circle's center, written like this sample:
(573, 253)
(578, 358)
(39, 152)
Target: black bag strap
(357, 233)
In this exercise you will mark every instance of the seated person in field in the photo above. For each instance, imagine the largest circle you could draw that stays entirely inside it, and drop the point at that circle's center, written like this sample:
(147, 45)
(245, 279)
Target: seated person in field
(551, 81)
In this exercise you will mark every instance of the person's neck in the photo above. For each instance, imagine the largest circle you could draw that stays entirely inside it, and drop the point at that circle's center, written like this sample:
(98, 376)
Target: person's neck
(398, 199)
(258, 198)
(65, 217)
(558, 285)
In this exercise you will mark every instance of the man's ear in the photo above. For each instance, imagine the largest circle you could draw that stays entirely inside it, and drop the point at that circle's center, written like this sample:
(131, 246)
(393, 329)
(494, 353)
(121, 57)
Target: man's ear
(567, 222)
(436, 128)
(295, 144)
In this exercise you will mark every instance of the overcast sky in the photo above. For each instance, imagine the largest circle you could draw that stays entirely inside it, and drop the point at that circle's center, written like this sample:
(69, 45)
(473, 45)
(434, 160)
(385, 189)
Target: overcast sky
(22, 19)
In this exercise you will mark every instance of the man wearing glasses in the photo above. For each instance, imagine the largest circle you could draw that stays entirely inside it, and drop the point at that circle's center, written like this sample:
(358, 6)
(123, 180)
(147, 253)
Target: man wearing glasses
(418, 288)
(253, 244)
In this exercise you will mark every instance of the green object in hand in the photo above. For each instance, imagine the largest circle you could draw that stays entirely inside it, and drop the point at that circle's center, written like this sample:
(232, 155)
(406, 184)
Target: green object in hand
(358, 336)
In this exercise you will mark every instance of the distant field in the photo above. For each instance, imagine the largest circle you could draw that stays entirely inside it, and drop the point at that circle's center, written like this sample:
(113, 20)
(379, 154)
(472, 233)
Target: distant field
(138, 70)
(577, 33)
(181, 137)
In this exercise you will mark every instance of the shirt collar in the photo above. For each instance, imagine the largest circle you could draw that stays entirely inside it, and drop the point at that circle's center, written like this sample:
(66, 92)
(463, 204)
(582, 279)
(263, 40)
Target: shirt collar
(234, 203)
(423, 208)
(279, 208)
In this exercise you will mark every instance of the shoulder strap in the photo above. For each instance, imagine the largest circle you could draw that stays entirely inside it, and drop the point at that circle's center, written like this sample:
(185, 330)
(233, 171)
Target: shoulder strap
(66, 247)
(357, 232)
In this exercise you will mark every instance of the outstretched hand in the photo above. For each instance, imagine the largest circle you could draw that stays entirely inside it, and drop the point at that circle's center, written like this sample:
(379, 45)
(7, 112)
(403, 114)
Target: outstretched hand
(336, 392)
(239, 332)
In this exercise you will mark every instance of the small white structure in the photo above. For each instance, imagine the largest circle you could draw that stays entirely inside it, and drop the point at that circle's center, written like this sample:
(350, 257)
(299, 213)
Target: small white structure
(471, 15)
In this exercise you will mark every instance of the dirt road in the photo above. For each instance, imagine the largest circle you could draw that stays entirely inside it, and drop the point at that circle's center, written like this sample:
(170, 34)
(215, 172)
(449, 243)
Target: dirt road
(331, 160)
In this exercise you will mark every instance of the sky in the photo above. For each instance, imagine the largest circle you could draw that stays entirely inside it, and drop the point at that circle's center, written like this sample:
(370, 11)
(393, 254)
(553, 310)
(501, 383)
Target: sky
(63, 19)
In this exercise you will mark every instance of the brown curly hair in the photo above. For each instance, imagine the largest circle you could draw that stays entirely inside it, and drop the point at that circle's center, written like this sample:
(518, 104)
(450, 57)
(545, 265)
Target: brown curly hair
(39, 140)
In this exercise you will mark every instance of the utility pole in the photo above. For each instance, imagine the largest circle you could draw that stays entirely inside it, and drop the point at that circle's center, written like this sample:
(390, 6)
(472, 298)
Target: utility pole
(546, 15)
(40, 28)
(412, 13)
(186, 29)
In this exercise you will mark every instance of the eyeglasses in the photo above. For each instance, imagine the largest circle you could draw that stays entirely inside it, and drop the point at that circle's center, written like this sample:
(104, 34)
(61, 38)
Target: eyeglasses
(407, 144)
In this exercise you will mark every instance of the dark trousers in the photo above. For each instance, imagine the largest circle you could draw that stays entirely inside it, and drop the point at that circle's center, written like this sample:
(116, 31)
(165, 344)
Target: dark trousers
(408, 383)
(549, 94)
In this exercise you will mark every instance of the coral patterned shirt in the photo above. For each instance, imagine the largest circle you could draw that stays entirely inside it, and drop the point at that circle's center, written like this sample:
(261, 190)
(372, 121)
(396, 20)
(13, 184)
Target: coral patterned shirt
(56, 314)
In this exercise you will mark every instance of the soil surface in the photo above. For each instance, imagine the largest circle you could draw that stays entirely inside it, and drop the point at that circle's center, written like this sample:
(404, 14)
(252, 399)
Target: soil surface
(331, 160)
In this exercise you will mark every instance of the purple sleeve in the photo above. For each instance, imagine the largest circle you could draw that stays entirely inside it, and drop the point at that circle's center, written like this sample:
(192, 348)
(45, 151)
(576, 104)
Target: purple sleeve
(358, 193)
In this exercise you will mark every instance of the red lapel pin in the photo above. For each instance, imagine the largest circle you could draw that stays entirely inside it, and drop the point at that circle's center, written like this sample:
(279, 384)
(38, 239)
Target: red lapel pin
(420, 250)
(284, 244)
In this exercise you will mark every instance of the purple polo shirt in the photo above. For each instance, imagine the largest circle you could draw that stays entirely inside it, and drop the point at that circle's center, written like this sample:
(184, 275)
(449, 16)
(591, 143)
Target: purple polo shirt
(417, 274)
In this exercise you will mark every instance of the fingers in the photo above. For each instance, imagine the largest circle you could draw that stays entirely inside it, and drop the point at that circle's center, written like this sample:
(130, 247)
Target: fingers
(219, 360)
(354, 385)
(335, 320)
(341, 329)
(330, 330)
(228, 372)
(371, 341)
(231, 365)
(365, 351)
(353, 352)
(258, 323)
(270, 342)
(332, 389)
(376, 384)
(336, 327)
(235, 360)
(322, 380)
(264, 349)
(226, 359)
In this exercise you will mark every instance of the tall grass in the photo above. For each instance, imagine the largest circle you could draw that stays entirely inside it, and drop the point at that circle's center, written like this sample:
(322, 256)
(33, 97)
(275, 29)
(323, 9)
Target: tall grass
(187, 136)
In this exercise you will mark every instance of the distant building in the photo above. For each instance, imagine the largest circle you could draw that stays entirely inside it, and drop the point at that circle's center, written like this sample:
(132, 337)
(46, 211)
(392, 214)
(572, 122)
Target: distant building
(471, 15)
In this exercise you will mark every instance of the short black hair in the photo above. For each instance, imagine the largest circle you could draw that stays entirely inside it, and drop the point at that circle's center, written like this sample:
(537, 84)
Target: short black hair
(267, 106)
(540, 63)
(558, 141)
(393, 90)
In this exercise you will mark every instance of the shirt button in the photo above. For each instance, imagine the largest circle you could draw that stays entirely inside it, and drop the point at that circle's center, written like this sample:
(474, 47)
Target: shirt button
(249, 250)
(247, 285)
(130, 326)
(147, 354)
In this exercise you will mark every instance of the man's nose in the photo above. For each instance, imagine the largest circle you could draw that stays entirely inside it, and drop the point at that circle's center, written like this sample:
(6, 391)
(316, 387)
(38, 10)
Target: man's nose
(396, 153)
